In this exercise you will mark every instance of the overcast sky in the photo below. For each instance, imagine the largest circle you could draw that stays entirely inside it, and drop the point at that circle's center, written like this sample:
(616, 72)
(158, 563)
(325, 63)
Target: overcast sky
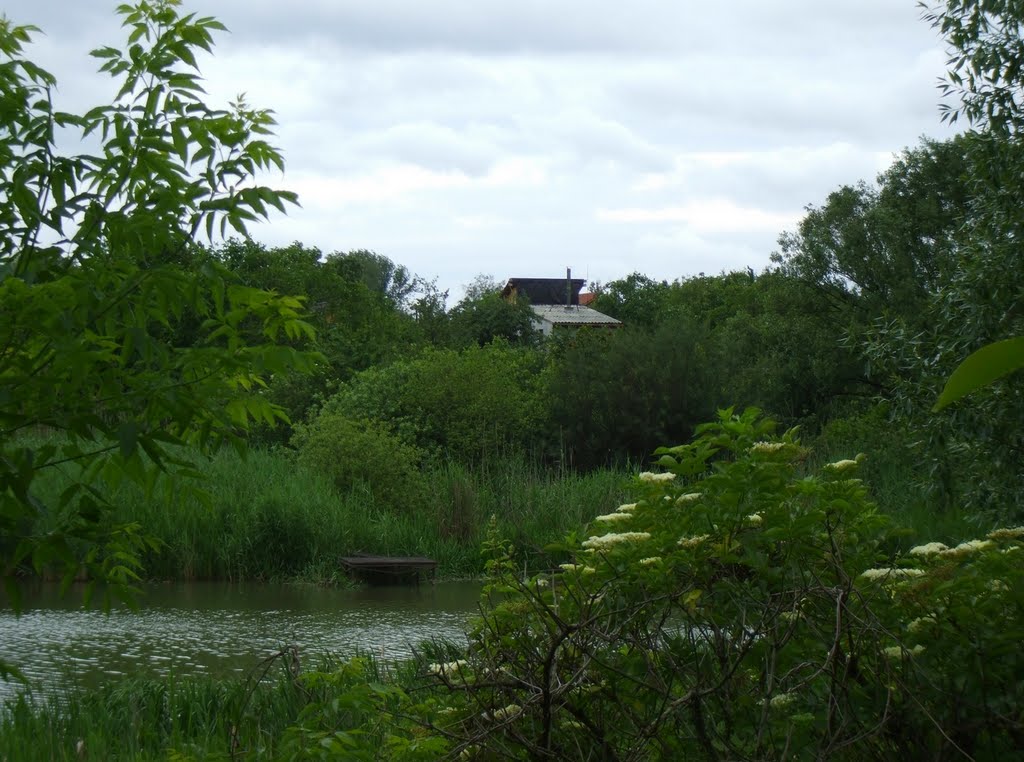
(521, 137)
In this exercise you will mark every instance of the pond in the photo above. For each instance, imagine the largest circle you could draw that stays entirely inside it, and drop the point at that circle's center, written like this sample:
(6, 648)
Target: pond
(216, 628)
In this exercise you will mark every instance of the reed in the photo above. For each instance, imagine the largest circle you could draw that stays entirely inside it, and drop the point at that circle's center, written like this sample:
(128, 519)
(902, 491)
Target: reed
(195, 718)
(264, 517)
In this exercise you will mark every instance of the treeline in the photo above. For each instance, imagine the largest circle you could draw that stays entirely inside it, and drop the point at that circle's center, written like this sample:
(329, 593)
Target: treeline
(850, 333)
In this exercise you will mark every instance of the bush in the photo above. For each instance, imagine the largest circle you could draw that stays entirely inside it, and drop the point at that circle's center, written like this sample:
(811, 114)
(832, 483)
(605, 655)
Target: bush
(471, 404)
(739, 610)
(363, 455)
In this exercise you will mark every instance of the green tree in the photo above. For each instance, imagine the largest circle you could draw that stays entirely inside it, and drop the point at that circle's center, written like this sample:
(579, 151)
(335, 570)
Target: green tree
(636, 300)
(973, 452)
(613, 395)
(91, 290)
(483, 316)
(472, 403)
(885, 250)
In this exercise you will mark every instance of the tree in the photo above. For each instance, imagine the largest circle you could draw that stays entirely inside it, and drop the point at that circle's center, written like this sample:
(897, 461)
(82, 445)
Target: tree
(885, 250)
(91, 290)
(636, 300)
(483, 316)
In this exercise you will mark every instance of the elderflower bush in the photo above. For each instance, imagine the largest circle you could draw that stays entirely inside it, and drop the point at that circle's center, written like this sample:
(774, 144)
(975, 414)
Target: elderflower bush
(742, 609)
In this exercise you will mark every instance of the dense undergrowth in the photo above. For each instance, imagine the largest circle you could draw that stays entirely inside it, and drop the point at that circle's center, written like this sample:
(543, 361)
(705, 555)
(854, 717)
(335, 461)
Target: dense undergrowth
(751, 602)
(262, 516)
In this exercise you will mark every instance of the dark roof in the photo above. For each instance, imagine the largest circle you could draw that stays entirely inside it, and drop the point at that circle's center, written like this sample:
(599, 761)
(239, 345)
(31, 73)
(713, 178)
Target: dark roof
(544, 290)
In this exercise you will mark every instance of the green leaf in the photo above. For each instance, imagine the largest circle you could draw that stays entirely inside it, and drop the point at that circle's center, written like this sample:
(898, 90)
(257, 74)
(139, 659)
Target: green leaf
(981, 368)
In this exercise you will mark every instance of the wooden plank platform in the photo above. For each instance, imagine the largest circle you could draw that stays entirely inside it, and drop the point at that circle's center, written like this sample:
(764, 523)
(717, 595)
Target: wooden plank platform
(390, 569)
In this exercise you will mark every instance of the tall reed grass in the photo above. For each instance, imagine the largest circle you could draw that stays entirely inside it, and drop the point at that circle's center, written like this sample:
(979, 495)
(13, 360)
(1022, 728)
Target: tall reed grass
(193, 718)
(267, 518)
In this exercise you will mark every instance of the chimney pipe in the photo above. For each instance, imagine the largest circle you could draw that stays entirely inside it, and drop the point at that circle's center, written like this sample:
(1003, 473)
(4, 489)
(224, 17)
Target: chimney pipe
(568, 287)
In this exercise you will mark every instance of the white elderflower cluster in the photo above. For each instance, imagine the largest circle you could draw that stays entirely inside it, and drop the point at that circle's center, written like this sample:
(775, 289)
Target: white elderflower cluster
(767, 447)
(1006, 533)
(842, 465)
(626, 508)
(755, 519)
(692, 542)
(929, 549)
(650, 476)
(605, 541)
(447, 667)
(890, 574)
(650, 561)
(577, 568)
(612, 518)
(506, 712)
(970, 546)
(781, 700)
(920, 623)
(689, 497)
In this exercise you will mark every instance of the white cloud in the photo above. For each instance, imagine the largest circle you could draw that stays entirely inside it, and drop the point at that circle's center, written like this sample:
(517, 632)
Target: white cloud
(477, 135)
(712, 216)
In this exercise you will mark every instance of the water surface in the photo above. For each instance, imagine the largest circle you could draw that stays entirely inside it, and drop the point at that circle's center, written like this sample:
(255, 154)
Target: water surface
(216, 628)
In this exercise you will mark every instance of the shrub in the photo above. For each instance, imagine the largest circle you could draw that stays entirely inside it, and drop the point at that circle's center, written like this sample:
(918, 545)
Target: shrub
(363, 455)
(738, 610)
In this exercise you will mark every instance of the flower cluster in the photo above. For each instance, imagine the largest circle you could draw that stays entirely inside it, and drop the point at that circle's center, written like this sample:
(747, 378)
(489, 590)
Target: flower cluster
(446, 668)
(970, 546)
(1006, 533)
(576, 568)
(649, 476)
(842, 465)
(692, 542)
(767, 447)
(886, 574)
(626, 508)
(929, 549)
(506, 712)
(920, 623)
(612, 518)
(781, 700)
(601, 542)
(896, 652)
(689, 497)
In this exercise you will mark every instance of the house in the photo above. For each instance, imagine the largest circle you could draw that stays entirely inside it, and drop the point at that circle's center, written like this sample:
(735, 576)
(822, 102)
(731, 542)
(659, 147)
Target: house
(556, 303)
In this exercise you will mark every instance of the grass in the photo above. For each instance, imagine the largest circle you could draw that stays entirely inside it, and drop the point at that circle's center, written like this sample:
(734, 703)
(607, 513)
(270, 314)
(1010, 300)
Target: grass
(267, 518)
(264, 517)
(194, 718)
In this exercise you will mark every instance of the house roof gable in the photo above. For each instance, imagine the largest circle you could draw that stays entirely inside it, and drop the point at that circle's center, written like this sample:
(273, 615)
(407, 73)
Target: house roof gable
(544, 290)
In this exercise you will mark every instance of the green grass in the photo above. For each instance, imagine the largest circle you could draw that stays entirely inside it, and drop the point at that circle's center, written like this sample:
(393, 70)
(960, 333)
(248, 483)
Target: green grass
(267, 518)
(194, 718)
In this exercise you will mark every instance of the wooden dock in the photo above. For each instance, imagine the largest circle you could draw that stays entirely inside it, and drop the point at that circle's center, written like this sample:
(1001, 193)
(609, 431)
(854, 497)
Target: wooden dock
(384, 570)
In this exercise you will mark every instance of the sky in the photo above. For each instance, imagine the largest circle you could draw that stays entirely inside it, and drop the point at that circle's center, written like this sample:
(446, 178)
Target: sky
(519, 138)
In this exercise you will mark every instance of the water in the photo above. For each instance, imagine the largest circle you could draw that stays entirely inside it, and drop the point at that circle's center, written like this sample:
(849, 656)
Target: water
(216, 628)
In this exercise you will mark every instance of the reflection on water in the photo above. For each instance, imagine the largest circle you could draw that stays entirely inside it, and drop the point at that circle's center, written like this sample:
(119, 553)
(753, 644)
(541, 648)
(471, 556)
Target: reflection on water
(183, 629)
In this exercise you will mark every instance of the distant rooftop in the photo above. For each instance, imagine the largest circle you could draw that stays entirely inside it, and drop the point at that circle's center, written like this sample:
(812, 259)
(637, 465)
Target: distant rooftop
(559, 314)
(545, 290)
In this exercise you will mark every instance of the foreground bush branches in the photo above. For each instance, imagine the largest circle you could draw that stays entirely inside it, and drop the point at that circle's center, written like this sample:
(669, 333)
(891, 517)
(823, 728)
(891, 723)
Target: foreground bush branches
(104, 337)
(737, 610)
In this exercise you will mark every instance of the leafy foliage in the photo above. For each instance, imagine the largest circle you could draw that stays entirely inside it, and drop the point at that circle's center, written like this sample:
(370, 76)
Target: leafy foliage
(362, 454)
(738, 609)
(471, 404)
(92, 298)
